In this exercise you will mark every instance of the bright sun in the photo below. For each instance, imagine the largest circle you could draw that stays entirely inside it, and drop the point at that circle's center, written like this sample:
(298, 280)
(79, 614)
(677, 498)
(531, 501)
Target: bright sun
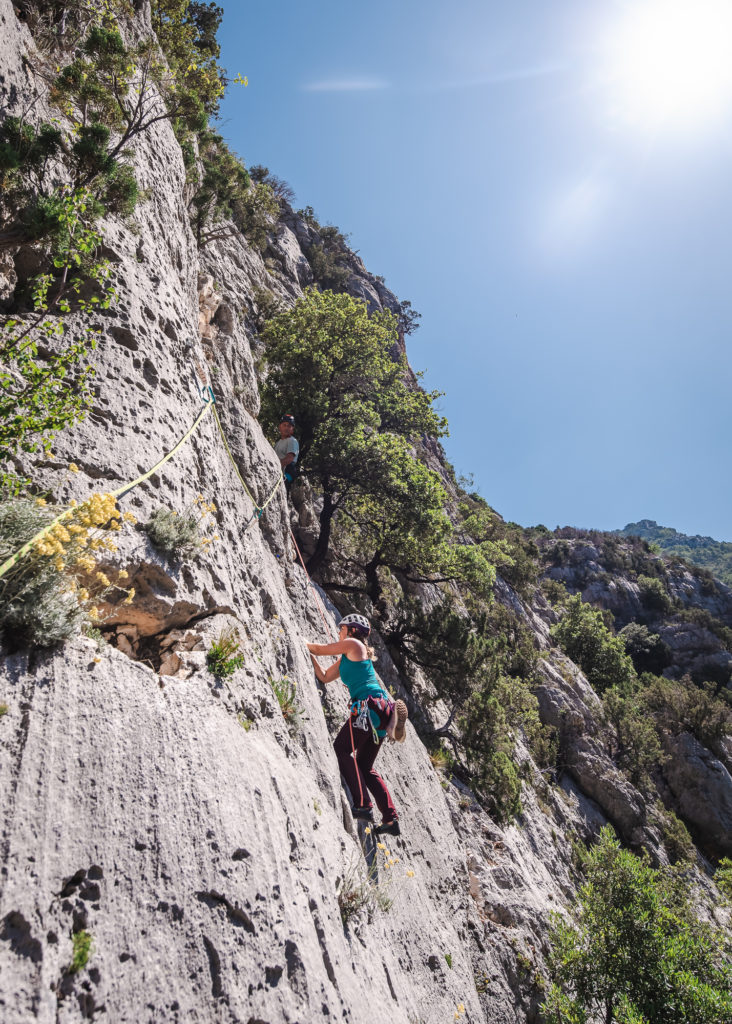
(670, 62)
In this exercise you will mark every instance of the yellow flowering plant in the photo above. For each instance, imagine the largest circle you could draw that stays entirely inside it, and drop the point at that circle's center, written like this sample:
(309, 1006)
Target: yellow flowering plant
(52, 589)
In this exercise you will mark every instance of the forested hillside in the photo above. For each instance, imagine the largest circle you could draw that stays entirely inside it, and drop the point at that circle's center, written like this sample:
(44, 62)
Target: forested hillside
(710, 554)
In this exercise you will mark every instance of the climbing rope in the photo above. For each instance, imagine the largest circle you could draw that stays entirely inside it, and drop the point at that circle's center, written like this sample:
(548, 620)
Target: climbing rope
(125, 489)
(318, 602)
(209, 403)
(258, 509)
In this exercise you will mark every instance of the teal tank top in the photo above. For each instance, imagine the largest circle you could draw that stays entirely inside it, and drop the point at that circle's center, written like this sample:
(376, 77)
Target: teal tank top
(361, 679)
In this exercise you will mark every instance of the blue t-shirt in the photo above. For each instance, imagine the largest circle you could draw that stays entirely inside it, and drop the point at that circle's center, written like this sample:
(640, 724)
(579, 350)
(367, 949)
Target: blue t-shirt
(361, 679)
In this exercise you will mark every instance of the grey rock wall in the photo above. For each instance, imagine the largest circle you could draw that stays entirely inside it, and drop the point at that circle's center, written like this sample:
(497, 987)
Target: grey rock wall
(204, 858)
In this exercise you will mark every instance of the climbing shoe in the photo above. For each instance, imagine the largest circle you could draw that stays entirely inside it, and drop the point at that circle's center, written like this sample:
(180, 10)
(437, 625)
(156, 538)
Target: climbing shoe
(390, 829)
(400, 728)
(363, 813)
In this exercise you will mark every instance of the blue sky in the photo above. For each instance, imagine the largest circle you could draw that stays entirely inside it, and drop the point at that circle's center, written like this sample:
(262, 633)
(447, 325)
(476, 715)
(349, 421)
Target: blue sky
(554, 201)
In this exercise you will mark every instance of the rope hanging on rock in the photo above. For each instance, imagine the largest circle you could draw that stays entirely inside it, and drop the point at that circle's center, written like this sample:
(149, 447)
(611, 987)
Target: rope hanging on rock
(258, 509)
(319, 603)
(209, 403)
(125, 489)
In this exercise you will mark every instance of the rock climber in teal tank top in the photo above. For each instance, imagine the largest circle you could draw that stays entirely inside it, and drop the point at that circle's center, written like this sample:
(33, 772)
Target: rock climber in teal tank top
(373, 713)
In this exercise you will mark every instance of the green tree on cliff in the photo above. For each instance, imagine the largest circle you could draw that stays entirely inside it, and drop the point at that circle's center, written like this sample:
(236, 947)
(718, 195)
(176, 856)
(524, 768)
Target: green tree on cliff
(333, 366)
(637, 953)
(584, 637)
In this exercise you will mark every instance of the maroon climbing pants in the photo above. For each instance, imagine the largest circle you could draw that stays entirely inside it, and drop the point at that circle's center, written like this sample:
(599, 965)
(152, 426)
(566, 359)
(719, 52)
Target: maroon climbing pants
(356, 752)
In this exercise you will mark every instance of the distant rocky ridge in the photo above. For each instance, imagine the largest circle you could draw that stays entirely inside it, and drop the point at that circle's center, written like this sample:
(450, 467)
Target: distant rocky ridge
(710, 554)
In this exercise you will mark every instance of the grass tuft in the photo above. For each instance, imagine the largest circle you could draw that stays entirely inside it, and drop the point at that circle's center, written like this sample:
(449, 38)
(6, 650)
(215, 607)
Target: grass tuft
(286, 694)
(82, 942)
(224, 657)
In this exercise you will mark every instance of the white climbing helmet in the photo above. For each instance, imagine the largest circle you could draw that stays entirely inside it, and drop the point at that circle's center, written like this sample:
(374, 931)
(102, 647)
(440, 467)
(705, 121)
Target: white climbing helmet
(355, 620)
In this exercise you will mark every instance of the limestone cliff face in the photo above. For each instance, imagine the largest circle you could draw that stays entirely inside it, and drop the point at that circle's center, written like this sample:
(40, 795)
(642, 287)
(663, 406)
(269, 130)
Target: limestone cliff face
(177, 819)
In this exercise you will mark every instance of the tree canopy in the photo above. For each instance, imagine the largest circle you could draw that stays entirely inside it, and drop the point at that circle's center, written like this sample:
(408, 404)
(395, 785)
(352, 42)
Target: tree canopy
(637, 953)
(584, 637)
(359, 414)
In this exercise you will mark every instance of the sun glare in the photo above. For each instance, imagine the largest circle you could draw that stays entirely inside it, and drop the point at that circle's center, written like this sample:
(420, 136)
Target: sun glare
(670, 62)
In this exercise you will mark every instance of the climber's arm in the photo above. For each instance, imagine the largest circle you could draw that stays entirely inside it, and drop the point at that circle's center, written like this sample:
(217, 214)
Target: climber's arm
(330, 673)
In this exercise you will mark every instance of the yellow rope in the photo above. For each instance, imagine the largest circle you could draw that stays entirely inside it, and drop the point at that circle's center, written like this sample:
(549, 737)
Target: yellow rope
(209, 404)
(128, 487)
(8, 563)
(259, 509)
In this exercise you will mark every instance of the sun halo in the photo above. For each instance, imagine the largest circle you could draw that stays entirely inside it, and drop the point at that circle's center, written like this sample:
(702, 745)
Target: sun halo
(669, 63)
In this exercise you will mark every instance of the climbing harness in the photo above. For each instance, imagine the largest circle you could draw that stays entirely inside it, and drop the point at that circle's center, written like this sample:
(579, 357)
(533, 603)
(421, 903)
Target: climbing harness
(361, 719)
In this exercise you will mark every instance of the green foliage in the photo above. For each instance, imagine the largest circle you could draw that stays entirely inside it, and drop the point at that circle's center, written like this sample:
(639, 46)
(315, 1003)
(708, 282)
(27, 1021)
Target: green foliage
(44, 372)
(680, 705)
(331, 365)
(224, 657)
(712, 555)
(224, 192)
(25, 154)
(3, 710)
(327, 255)
(450, 645)
(584, 637)
(110, 93)
(255, 214)
(82, 947)
(285, 691)
(59, 26)
(488, 723)
(723, 878)
(94, 633)
(555, 592)
(408, 317)
(178, 534)
(222, 185)
(636, 951)
(654, 595)
(280, 188)
(186, 32)
(308, 215)
(483, 665)
(491, 541)
(638, 750)
(647, 650)
(701, 617)
(676, 839)
(266, 305)
(401, 524)
(448, 960)
(328, 266)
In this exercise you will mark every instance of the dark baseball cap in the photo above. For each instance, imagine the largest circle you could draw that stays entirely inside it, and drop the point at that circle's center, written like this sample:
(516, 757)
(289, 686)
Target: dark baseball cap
(288, 418)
